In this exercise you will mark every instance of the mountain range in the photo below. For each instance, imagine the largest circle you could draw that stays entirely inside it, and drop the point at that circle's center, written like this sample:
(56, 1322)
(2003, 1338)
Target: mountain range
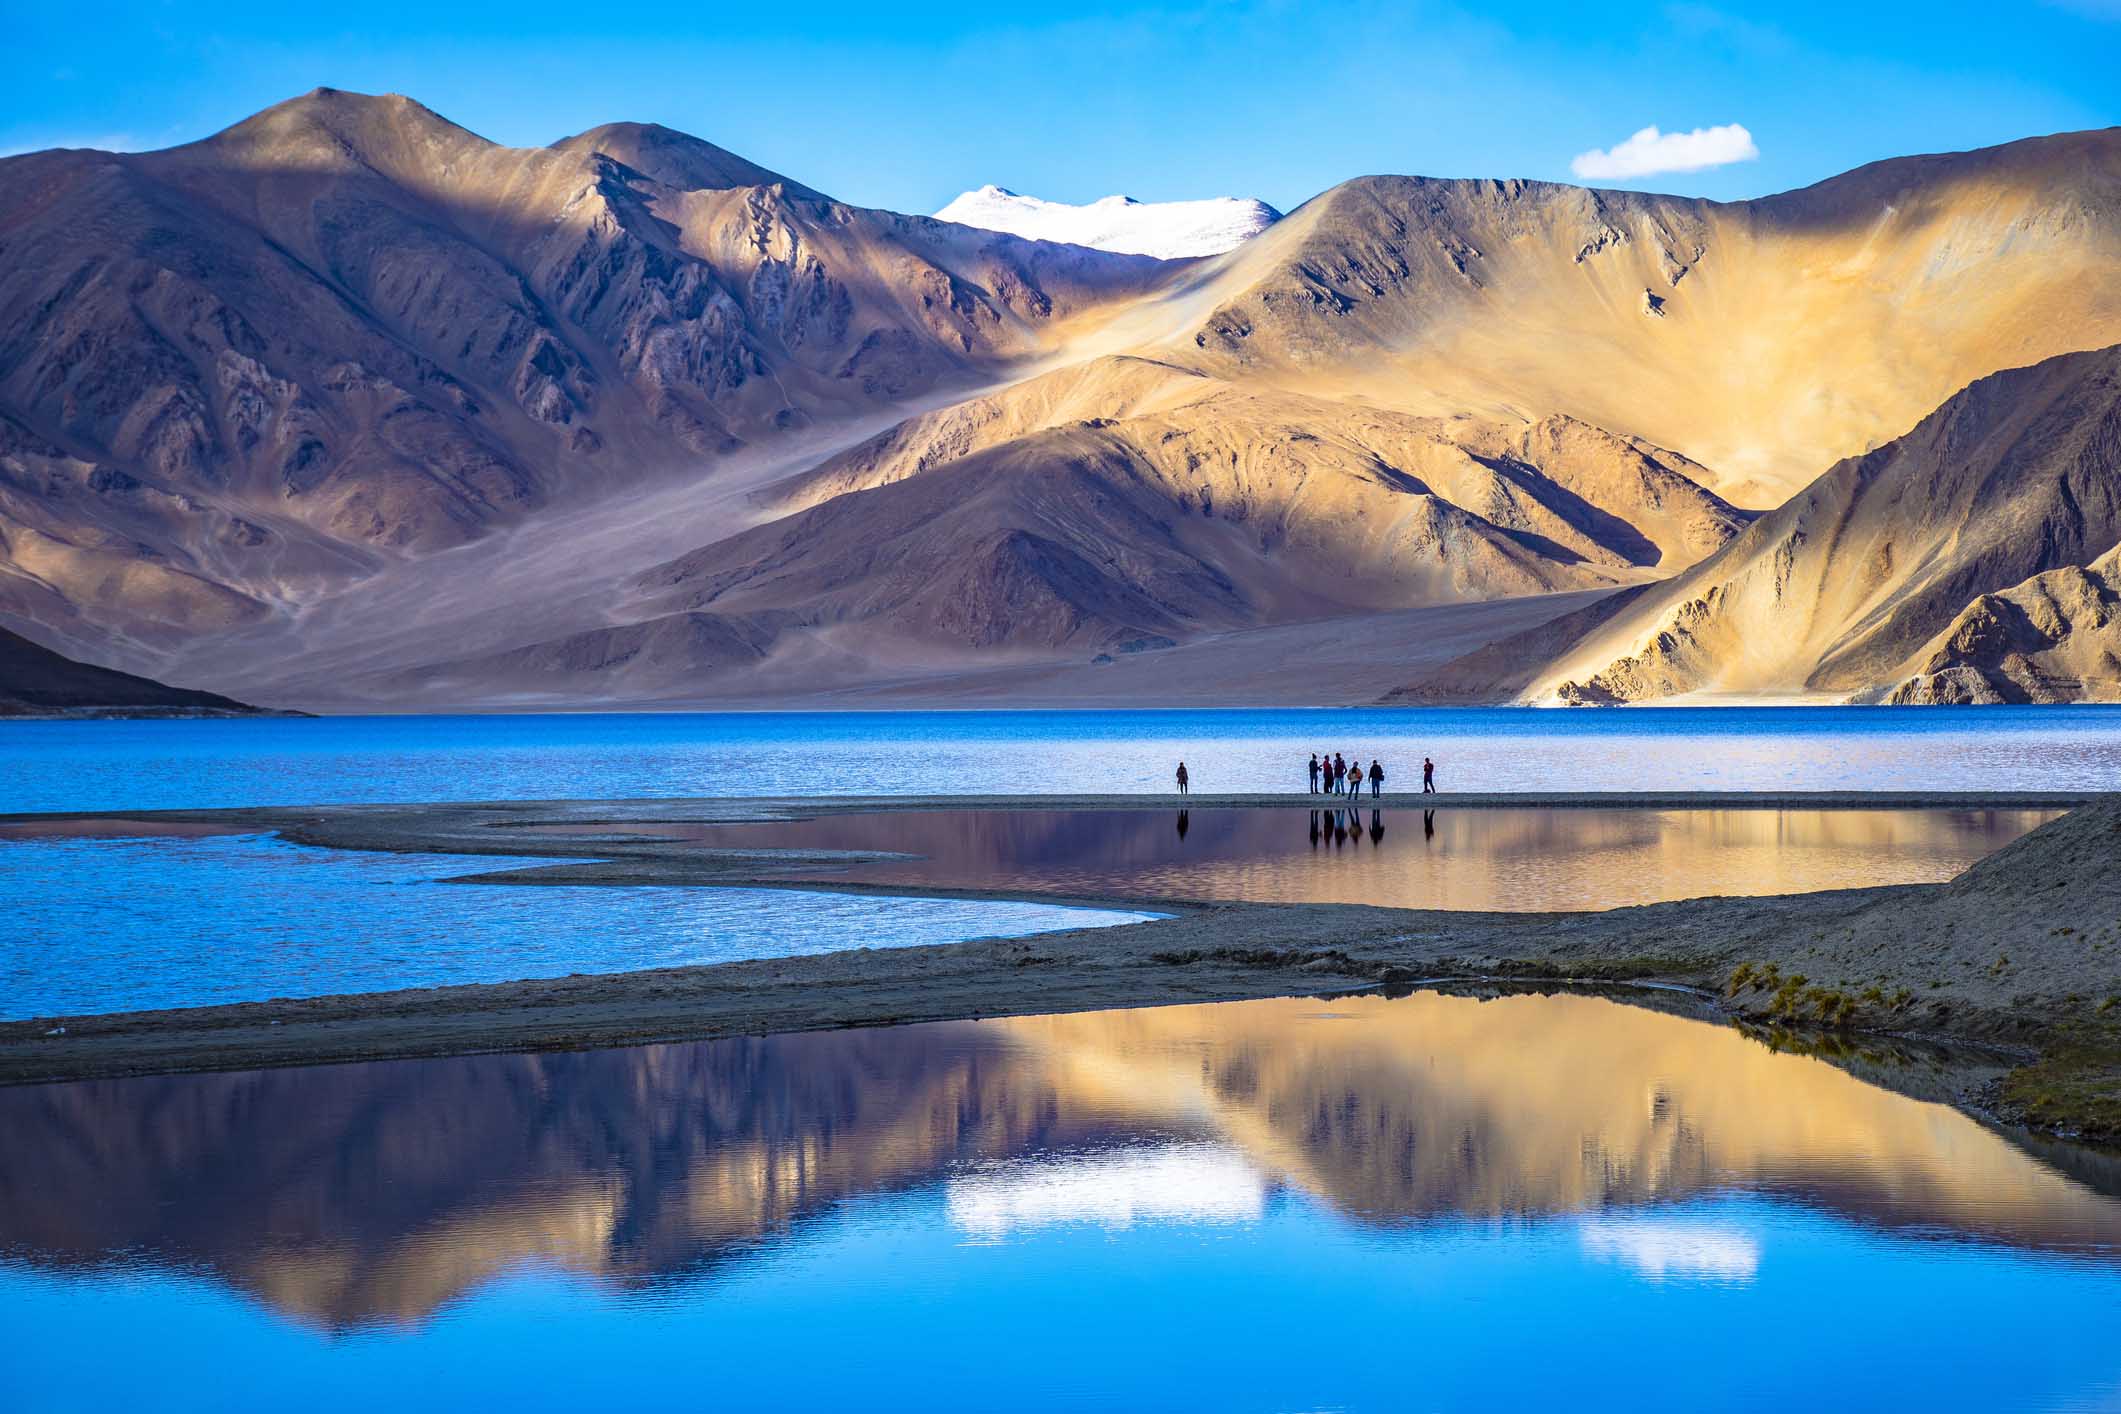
(347, 406)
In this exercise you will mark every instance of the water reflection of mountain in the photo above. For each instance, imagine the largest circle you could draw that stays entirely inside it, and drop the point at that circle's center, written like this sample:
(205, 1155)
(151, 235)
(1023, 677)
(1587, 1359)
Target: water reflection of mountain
(1467, 859)
(380, 1192)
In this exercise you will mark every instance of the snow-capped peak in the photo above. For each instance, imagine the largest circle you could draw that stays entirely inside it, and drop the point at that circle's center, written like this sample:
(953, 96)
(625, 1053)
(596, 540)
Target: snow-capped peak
(1166, 229)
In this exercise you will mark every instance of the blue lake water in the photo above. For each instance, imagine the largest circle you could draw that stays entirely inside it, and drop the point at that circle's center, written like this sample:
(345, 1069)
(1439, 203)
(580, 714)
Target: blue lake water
(146, 765)
(95, 925)
(1435, 1202)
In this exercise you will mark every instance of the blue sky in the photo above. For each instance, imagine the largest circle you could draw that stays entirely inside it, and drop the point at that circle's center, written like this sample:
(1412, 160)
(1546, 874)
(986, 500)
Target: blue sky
(905, 105)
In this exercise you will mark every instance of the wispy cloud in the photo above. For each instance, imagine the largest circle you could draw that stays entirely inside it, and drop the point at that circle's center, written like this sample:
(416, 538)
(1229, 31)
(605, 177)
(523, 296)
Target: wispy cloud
(1651, 151)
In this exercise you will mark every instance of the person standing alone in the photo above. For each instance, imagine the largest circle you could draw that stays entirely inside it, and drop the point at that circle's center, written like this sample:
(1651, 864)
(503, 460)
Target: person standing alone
(1428, 776)
(1181, 778)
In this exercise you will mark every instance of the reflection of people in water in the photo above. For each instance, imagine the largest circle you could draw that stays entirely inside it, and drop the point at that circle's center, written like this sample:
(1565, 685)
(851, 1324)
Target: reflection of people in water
(1314, 773)
(1428, 824)
(1377, 779)
(1340, 829)
(1182, 823)
(1428, 776)
(1314, 829)
(1182, 778)
(1377, 827)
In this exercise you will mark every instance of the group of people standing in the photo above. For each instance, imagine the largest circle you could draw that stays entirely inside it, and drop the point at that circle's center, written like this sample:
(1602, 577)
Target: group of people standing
(1332, 775)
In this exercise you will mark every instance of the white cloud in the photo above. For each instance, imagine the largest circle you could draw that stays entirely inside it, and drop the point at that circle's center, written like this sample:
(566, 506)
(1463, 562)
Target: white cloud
(1651, 151)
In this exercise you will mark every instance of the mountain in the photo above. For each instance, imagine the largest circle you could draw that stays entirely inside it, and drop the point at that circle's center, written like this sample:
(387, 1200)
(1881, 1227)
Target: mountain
(1012, 526)
(1765, 339)
(36, 682)
(1912, 559)
(239, 375)
(2054, 638)
(349, 405)
(1165, 229)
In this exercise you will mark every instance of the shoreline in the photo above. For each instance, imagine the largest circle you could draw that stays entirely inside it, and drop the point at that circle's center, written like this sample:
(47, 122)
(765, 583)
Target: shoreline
(2021, 951)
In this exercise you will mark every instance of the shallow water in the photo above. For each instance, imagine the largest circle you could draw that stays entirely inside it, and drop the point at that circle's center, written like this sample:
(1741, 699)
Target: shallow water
(1499, 859)
(1433, 1202)
(100, 924)
(147, 765)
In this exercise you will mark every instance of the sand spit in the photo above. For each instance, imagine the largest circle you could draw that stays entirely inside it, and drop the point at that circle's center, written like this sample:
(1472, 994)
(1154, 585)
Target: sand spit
(2022, 951)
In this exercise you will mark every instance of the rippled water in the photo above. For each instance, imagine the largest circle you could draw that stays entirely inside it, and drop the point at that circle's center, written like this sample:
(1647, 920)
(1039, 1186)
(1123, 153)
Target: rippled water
(95, 925)
(1502, 859)
(144, 765)
(1431, 1202)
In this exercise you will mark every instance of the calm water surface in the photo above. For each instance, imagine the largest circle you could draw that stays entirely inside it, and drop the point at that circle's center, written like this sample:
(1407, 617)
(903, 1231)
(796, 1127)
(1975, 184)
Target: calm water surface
(144, 765)
(1501, 859)
(1435, 1202)
(124, 924)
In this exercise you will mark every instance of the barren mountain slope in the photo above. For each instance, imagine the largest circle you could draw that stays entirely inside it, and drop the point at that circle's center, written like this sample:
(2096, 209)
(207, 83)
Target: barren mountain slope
(34, 681)
(2054, 638)
(237, 375)
(1763, 338)
(1839, 589)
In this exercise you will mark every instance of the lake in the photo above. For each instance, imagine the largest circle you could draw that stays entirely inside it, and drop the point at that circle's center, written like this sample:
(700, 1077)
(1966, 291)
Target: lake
(1436, 1201)
(1503, 859)
(173, 764)
(98, 925)
(98, 921)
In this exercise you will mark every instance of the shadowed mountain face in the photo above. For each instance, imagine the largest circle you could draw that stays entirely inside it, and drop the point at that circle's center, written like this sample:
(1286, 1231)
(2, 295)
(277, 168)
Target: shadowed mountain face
(1844, 589)
(35, 682)
(348, 404)
(243, 373)
(349, 1195)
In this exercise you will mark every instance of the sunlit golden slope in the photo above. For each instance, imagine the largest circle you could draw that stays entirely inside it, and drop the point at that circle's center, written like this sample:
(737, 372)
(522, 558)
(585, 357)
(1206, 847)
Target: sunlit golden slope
(1842, 590)
(1765, 339)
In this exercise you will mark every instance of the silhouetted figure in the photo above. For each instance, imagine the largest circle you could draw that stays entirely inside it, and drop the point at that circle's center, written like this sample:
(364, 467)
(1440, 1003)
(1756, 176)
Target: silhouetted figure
(1340, 829)
(1377, 779)
(1340, 773)
(1428, 776)
(1314, 773)
(1182, 824)
(1428, 824)
(1377, 827)
(1182, 778)
(1314, 829)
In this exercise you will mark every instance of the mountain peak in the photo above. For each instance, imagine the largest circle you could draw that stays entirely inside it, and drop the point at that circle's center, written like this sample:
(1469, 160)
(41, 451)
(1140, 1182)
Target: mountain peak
(676, 159)
(1169, 230)
(337, 123)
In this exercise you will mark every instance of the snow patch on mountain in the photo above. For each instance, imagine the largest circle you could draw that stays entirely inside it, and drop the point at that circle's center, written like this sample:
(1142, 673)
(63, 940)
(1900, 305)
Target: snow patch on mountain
(1167, 229)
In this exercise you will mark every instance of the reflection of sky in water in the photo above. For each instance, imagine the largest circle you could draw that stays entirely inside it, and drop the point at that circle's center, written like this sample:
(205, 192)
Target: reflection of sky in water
(117, 925)
(142, 765)
(1432, 1202)
(1514, 860)
(1661, 1247)
(1168, 1183)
